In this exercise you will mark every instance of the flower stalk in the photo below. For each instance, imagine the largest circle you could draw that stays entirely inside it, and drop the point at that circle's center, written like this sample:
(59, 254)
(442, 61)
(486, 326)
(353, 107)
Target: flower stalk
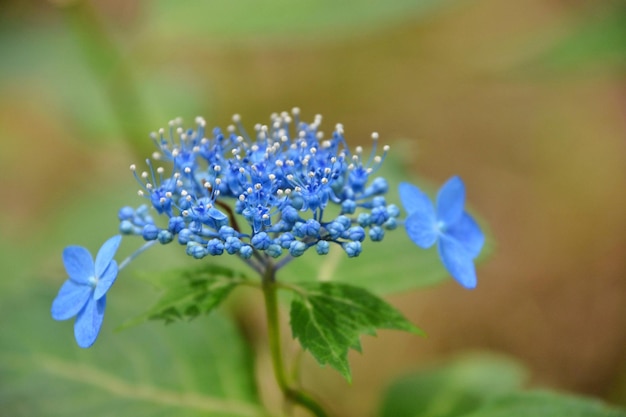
(290, 392)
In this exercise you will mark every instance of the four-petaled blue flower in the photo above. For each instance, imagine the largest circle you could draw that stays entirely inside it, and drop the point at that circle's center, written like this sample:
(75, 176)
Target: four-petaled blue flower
(84, 294)
(458, 236)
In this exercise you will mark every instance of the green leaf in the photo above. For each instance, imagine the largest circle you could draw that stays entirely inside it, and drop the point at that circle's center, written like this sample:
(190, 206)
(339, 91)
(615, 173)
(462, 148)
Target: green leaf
(545, 404)
(451, 390)
(193, 369)
(329, 318)
(189, 293)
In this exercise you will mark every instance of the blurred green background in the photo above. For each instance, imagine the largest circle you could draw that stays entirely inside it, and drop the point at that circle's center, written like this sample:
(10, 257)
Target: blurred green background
(525, 100)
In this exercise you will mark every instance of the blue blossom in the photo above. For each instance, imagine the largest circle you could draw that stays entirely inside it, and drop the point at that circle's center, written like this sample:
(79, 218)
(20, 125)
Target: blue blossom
(84, 294)
(260, 196)
(458, 236)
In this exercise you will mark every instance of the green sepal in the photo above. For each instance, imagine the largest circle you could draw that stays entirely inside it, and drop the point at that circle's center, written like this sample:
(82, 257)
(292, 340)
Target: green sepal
(329, 318)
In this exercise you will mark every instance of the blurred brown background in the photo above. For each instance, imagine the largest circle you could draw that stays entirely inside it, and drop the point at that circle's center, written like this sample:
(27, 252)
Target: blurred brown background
(525, 100)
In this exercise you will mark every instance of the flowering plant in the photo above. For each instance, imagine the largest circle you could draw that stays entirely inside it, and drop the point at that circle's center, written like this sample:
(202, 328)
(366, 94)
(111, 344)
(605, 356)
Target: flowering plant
(268, 198)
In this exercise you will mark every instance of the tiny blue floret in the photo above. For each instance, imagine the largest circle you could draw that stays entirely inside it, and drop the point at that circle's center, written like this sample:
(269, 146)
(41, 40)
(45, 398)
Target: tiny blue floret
(84, 294)
(353, 249)
(458, 236)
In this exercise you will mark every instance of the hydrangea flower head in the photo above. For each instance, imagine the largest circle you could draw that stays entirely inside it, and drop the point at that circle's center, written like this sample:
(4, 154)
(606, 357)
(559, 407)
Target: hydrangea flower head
(275, 193)
(458, 236)
(84, 294)
(267, 197)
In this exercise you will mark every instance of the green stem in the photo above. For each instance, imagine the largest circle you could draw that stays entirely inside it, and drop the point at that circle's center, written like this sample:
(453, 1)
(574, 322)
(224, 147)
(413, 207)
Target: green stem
(292, 393)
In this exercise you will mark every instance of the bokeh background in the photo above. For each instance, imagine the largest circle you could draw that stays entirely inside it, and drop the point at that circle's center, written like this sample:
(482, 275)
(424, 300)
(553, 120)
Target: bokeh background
(525, 100)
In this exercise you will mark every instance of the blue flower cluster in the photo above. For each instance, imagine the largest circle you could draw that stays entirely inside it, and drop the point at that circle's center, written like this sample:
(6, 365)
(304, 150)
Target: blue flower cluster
(274, 194)
(281, 191)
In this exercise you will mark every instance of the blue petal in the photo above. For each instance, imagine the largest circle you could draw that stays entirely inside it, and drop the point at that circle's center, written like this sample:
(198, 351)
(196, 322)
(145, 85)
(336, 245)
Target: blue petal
(450, 201)
(106, 280)
(70, 300)
(457, 261)
(78, 264)
(467, 232)
(217, 215)
(414, 200)
(106, 253)
(421, 229)
(88, 322)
